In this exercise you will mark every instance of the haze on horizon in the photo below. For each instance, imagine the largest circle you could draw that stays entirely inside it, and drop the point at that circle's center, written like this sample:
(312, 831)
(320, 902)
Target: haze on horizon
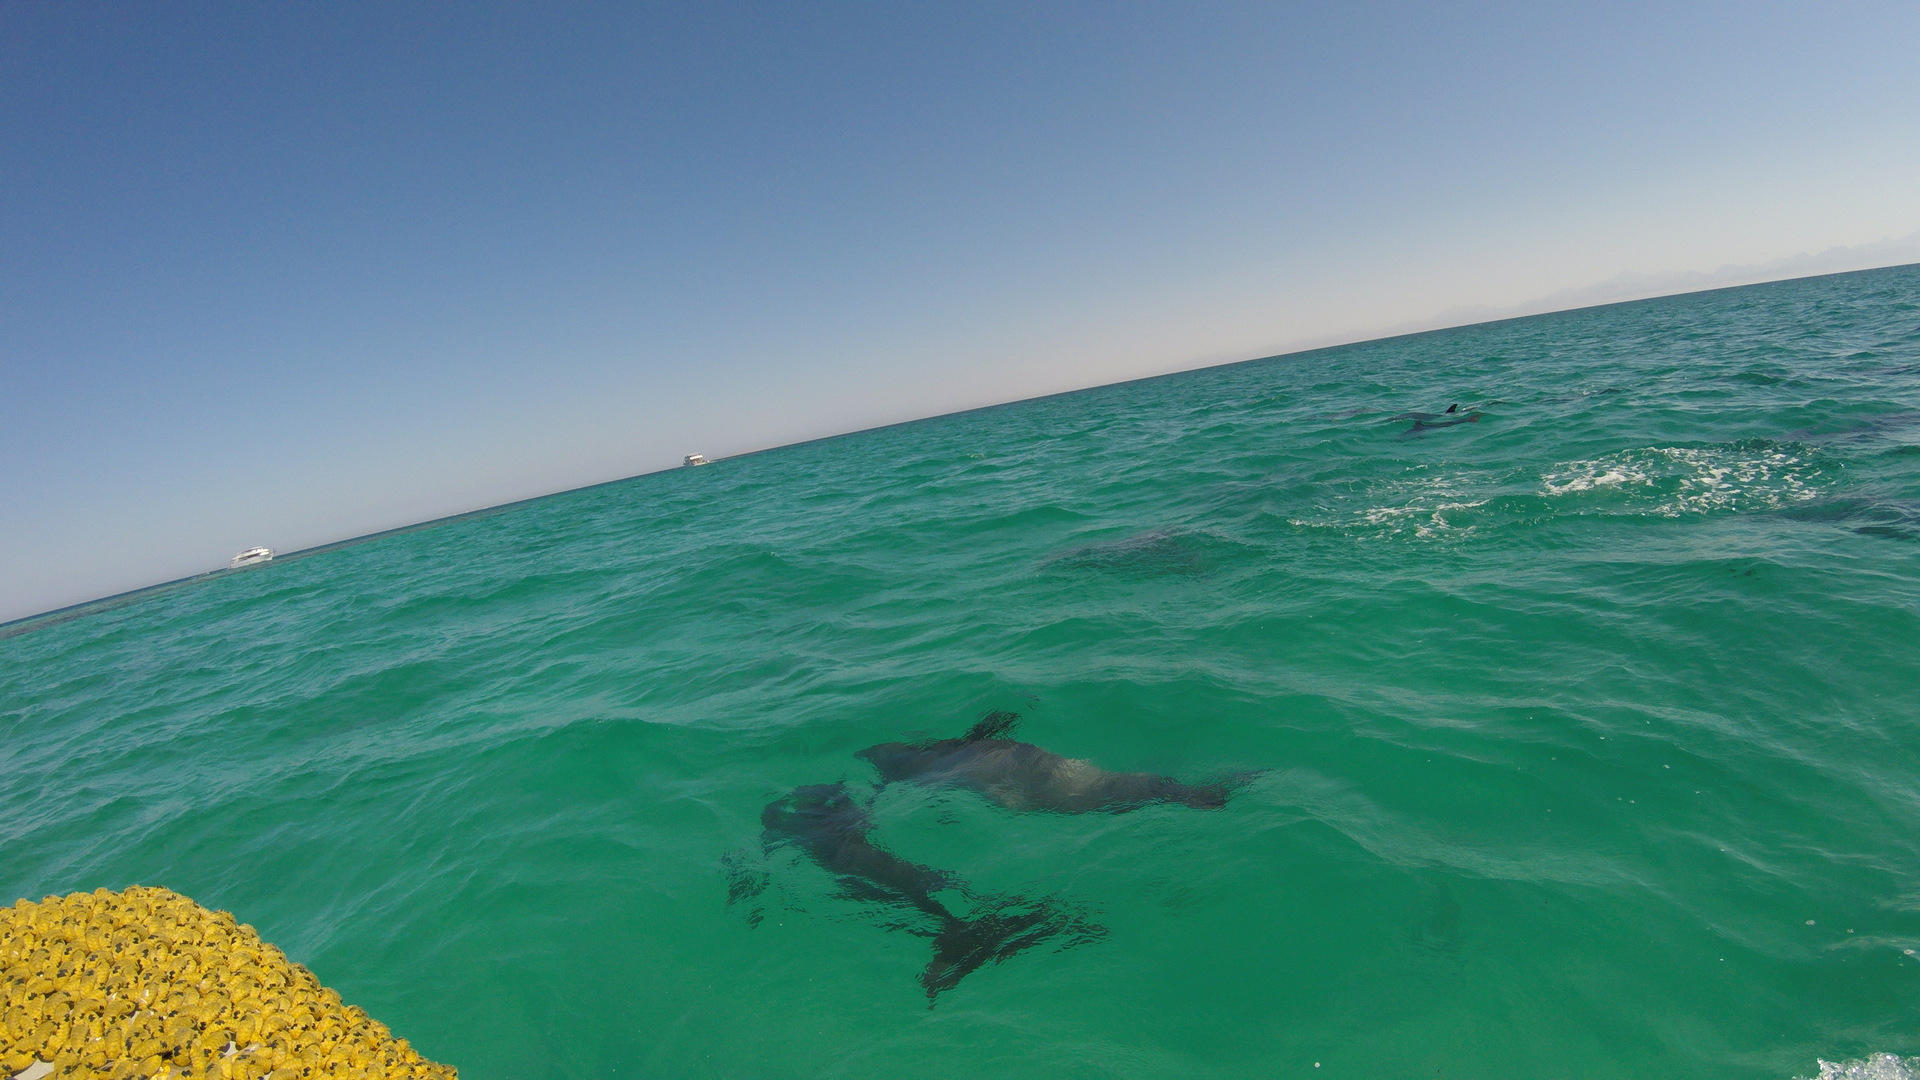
(285, 275)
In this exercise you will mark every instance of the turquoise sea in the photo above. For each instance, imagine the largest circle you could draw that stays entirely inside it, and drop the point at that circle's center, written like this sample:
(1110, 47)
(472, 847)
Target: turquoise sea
(1580, 739)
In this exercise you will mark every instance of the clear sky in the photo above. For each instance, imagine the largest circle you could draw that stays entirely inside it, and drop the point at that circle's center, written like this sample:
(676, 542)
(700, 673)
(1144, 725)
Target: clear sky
(289, 273)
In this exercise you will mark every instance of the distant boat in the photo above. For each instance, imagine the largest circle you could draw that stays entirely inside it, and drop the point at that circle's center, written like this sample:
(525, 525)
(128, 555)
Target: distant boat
(251, 556)
(695, 459)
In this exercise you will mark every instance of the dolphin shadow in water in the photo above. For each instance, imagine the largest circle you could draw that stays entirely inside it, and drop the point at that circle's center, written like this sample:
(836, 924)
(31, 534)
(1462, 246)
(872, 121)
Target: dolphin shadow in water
(1160, 553)
(1021, 776)
(830, 825)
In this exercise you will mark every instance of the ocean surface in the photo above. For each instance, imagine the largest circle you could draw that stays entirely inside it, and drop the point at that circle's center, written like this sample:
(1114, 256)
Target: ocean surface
(1573, 733)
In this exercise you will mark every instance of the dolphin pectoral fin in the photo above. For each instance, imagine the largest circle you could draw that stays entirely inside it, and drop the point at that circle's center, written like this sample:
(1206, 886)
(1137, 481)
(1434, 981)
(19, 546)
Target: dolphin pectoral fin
(994, 725)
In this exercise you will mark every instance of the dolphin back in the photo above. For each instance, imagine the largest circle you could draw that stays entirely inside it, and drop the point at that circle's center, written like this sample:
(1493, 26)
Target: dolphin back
(902, 761)
(1024, 777)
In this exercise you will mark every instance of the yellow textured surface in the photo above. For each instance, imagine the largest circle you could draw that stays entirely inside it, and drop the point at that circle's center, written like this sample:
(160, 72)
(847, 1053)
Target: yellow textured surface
(147, 983)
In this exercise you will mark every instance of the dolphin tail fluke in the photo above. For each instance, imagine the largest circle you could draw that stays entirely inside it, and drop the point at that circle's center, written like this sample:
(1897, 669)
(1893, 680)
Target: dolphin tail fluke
(1215, 795)
(1244, 777)
(1204, 796)
(966, 945)
(746, 880)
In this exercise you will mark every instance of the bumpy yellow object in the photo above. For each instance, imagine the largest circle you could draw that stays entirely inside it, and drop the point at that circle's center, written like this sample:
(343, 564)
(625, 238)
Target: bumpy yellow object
(146, 983)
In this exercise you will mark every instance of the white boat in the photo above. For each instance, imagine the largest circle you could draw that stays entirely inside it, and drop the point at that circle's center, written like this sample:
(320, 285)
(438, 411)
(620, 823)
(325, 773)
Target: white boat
(695, 459)
(251, 556)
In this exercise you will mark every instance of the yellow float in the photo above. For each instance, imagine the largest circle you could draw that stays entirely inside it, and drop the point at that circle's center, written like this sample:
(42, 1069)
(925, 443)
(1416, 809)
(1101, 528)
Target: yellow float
(146, 983)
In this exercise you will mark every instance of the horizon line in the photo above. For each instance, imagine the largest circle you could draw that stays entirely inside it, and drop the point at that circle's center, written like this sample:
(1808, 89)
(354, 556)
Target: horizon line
(54, 616)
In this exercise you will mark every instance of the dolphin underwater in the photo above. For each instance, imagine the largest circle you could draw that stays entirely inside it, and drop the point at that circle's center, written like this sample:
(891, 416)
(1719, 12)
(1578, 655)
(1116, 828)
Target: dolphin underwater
(1021, 776)
(827, 823)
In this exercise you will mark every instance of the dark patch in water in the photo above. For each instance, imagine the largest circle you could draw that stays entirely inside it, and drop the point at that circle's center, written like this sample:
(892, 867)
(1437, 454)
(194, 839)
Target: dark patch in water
(1162, 553)
(1893, 519)
(1438, 932)
(1864, 430)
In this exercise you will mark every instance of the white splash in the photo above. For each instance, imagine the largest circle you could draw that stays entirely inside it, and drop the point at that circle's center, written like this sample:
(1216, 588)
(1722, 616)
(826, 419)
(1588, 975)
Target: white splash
(1672, 481)
(1872, 1067)
(1426, 506)
(1586, 475)
(1423, 519)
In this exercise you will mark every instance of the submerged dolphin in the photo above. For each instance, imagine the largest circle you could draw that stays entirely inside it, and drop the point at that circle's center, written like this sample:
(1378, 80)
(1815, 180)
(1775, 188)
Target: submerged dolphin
(830, 825)
(1021, 776)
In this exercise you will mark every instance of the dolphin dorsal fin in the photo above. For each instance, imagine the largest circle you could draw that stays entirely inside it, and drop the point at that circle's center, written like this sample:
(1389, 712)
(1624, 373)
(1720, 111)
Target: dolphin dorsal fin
(1455, 407)
(994, 725)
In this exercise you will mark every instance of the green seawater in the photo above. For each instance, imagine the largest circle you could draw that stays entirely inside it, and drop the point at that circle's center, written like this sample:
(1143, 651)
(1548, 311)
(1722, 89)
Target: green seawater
(1585, 737)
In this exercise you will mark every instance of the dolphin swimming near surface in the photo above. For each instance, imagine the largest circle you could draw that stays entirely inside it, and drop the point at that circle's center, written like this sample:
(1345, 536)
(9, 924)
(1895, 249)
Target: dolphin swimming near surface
(1453, 415)
(830, 825)
(1021, 776)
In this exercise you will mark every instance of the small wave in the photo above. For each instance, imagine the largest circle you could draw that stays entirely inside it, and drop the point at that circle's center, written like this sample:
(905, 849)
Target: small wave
(1871, 1067)
(1674, 481)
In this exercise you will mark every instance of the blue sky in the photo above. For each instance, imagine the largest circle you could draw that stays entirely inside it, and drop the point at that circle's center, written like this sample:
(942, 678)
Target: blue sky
(285, 274)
